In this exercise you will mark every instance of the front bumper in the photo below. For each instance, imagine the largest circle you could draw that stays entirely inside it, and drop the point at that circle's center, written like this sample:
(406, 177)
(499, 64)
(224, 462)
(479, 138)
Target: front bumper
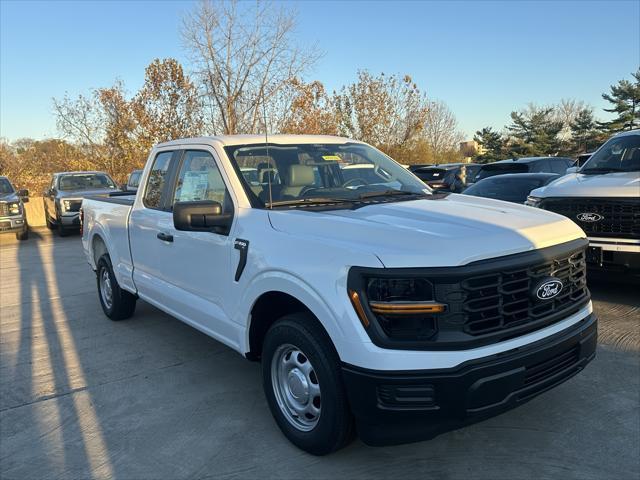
(13, 224)
(614, 254)
(70, 220)
(400, 407)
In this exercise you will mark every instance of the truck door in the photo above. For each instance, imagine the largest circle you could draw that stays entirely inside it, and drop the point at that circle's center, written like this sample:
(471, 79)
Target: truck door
(194, 267)
(150, 216)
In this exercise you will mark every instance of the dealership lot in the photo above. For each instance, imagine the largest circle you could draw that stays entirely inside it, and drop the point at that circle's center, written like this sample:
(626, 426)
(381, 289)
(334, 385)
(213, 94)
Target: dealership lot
(150, 397)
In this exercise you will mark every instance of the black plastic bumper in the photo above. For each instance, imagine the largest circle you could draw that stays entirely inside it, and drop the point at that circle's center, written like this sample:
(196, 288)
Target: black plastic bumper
(400, 407)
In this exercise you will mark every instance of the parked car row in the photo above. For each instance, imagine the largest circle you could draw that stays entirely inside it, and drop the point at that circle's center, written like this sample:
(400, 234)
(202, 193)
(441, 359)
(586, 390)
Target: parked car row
(599, 191)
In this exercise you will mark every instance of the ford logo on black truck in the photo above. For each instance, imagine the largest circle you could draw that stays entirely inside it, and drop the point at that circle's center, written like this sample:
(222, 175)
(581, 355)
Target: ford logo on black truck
(589, 217)
(549, 288)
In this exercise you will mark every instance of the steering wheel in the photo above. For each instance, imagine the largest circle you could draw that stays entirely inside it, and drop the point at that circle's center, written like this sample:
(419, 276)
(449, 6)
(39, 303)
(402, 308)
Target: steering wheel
(360, 181)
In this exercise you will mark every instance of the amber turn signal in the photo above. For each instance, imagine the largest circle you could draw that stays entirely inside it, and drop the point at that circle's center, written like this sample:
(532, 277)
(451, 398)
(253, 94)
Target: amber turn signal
(357, 305)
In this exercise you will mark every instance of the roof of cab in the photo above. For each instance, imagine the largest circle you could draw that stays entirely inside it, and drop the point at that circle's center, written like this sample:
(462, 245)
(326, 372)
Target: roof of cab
(280, 139)
(628, 132)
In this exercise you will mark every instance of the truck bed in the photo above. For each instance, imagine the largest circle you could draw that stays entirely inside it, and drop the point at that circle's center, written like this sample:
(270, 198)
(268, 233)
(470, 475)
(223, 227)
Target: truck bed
(120, 198)
(108, 216)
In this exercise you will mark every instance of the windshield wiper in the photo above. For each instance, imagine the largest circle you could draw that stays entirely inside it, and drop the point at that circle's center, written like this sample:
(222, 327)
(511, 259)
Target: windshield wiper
(307, 201)
(602, 170)
(387, 193)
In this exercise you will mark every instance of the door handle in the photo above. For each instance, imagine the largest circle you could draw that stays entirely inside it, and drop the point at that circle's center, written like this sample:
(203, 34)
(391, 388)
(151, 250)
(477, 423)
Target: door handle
(165, 237)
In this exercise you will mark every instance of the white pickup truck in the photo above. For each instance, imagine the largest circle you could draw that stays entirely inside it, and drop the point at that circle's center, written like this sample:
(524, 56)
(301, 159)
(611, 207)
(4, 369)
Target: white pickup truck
(603, 198)
(373, 304)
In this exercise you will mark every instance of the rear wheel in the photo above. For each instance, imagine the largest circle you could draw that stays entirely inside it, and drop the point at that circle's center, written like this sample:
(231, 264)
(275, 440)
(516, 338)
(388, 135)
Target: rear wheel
(303, 385)
(117, 304)
(23, 235)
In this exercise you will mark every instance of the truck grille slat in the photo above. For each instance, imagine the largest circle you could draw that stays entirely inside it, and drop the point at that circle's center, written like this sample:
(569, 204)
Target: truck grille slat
(504, 300)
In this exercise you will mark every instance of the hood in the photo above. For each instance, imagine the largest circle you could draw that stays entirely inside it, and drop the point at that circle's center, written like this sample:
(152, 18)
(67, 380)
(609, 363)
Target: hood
(85, 193)
(449, 231)
(9, 197)
(618, 184)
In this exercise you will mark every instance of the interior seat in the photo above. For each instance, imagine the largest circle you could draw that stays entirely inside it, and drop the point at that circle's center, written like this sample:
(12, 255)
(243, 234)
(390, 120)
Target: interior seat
(300, 178)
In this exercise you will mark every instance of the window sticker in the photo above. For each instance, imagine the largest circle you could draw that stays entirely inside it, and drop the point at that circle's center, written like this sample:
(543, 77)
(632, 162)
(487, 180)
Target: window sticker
(332, 158)
(194, 186)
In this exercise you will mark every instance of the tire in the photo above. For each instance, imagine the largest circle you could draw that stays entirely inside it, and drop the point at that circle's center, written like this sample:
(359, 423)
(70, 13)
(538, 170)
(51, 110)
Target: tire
(50, 225)
(22, 235)
(121, 304)
(63, 232)
(296, 340)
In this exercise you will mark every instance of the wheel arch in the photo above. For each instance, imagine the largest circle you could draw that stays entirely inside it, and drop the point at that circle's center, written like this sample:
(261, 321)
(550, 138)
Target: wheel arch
(271, 304)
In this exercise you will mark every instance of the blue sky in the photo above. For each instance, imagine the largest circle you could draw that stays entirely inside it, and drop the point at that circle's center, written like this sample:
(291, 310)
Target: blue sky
(484, 59)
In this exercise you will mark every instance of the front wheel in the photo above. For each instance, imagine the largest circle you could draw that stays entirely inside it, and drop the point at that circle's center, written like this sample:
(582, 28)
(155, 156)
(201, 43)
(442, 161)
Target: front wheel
(117, 304)
(303, 385)
(63, 232)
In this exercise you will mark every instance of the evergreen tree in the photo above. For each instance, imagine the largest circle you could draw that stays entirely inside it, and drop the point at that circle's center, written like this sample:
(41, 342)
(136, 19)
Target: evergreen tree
(584, 132)
(492, 143)
(625, 103)
(534, 132)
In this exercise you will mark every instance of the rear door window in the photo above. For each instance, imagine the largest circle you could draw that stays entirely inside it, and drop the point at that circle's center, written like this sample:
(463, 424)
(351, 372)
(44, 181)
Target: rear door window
(157, 181)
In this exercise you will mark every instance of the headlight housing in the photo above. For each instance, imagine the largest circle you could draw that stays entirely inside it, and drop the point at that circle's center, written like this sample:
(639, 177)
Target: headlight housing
(14, 208)
(66, 205)
(533, 201)
(395, 308)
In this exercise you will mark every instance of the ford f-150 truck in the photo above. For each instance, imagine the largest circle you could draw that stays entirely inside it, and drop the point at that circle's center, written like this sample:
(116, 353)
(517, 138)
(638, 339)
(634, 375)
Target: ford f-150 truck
(374, 304)
(603, 198)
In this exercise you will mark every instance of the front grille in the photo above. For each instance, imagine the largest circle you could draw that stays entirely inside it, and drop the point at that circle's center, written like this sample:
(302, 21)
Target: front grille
(620, 216)
(4, 209)
(503, 301)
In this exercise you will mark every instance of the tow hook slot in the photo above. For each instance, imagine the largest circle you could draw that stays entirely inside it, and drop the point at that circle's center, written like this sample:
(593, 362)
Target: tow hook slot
(243, 247)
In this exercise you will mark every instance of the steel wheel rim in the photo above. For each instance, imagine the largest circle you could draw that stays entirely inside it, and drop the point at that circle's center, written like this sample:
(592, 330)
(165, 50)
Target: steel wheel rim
(106, 292)
(296, 387)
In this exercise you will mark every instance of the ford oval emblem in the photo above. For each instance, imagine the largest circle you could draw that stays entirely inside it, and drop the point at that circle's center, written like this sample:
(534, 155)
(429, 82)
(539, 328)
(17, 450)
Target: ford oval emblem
(549, 288)
(589, 217)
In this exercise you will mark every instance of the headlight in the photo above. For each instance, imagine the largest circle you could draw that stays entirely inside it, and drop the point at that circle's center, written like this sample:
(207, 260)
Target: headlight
(66, 205)
(403, 308)
(533, 201)
(14, 208)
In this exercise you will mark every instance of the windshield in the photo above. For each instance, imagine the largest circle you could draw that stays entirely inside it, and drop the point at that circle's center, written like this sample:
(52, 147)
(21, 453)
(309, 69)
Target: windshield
(619, 154)
(5, 186)
(432, 174)
(85, 181)
(500, 169)
(286, 174)
(507, 188)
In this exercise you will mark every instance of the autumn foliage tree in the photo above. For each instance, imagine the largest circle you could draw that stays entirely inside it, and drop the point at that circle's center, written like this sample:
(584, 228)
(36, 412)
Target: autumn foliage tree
(167, 106)
(311, 110)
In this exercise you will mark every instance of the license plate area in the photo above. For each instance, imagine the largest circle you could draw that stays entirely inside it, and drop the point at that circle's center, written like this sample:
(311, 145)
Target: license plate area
(594, 255)
(5, 226)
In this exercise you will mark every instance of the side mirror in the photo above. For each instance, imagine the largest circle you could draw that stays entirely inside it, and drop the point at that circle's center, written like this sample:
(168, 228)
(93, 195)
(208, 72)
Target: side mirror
(572, 170)
(201, 216)
(24, 195)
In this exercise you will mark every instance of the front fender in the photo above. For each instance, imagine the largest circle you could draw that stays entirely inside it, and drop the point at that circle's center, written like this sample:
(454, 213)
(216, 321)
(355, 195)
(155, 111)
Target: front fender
(336, 315)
